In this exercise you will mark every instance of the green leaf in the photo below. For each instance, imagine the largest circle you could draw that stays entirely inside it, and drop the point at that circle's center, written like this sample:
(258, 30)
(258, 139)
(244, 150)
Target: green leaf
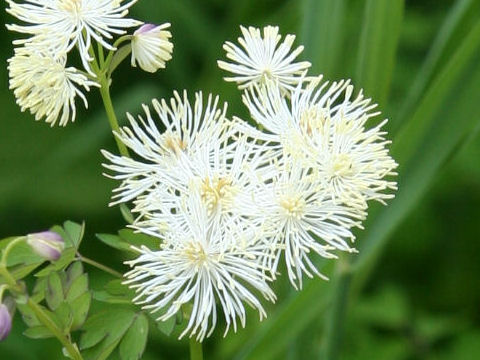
(73, 272)
(111, 324)
(28, 315)
(22, 254)
(74, 233)
(38, 332)
(21, 271)
(167, 326)
(68, 255)
(54, 291)
(442, 121)
(78, 288)
(378, 47)
(137, 239)
(322, 34)
(115, 242)
(127, 214)
(80, 308)
(457, 21)
(135, 340)
(106, 297)
(299, 311)
(116, 287)
(64, 315)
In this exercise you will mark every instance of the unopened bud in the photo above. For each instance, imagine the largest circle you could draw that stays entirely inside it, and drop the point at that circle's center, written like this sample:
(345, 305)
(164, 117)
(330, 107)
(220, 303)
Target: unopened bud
(5, 322)
(151, 47)
(47, 244)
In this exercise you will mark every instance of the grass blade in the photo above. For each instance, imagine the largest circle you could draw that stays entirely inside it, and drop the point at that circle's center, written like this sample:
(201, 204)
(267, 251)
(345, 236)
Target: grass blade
(378, 46)
(322, 34)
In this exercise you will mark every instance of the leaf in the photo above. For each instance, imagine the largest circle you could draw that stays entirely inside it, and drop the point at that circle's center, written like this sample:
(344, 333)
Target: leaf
(104, 296)
(455, 22)
(22, 254)
(68, 255)
(322, 34)
(74, 233)
(64, 315)
(38, 332)
(135, 340)
(21, 271)
(78, 288)
(28, 315)
(54, 291)
(167, 326)
(111, 324)
(378, 47)
(80, 308)
(116, 287)
(137, 239)
(115, 242)
(299, 311)
(73, 272)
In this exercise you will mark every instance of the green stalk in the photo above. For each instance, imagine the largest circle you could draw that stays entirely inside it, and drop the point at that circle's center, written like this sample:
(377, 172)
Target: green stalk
(196, 352)
(112, 118)
(50, 325)
(336, 319)
(99, 266)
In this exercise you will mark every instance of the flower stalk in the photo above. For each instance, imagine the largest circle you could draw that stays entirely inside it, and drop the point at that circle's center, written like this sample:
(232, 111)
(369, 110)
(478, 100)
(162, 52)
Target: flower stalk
(196, 351)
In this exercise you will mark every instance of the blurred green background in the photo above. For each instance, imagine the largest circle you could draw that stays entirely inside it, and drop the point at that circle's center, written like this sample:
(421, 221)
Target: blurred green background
(415, 293)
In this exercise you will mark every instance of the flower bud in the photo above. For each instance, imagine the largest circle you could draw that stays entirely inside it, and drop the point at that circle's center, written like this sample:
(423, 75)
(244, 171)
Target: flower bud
(47, 244)
(5, 322)
(151, 47)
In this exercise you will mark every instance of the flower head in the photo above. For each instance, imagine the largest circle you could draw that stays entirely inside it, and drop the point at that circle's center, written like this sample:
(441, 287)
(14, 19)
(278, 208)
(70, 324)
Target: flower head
(45, 86)
(63, 24)
(47, 244)
(323, 127)
(5, 322)
(302, 218)
(151, 47)
(187, 129)
(264, 58)
(203, 266)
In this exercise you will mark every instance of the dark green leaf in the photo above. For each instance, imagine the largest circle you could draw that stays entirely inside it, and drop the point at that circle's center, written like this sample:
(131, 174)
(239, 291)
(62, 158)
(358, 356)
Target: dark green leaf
(167, 326)
(135, 340)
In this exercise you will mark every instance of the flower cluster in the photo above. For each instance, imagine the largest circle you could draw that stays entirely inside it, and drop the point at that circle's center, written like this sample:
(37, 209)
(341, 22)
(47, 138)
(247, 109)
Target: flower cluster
(39, 76)
(230, 202)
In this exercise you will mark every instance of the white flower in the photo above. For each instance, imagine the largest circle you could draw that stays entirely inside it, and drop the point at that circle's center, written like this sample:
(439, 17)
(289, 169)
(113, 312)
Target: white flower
(43, 85)
(264, 58)
(202, 266)
(63, 24)
(186, 130)
(321, 126)
(151, 47)
(304, 218)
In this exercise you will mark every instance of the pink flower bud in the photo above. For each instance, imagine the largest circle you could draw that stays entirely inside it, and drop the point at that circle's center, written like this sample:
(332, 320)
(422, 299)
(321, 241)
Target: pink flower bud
(47, 244)
(5, 322)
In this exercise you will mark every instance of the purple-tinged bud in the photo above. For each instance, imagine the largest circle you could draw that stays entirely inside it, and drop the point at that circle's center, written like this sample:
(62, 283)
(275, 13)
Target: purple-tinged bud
(47, 244)
(5, 322)
(151, 47)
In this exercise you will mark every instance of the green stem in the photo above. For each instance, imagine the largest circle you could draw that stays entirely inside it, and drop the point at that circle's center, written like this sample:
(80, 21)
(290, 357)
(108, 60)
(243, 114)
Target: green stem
(50, 325)
(196, 352)
(336, 319)
(9, 247)
(99, 266)
(112, 118)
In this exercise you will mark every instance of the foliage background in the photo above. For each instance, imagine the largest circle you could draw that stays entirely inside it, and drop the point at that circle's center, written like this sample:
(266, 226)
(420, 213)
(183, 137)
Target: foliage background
(421, 299)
